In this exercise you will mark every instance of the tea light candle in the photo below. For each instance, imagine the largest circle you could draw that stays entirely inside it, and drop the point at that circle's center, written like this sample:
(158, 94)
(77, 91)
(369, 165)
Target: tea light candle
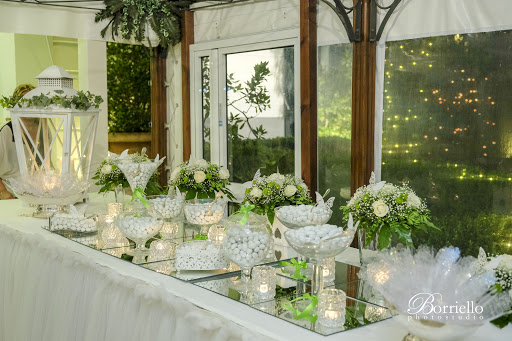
(264, 282)
(331, 308)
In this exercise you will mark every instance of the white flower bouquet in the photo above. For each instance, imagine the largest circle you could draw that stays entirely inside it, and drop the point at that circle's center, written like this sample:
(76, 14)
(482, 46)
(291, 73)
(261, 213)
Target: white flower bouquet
(108, 175)
(386, 211)
(201, 179)
(501, 267)
(269, 192)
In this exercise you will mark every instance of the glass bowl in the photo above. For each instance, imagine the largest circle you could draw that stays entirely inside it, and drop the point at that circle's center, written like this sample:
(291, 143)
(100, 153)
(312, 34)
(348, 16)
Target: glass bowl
(167, 207)
(202, 212)
(294, 217)
(306, 241)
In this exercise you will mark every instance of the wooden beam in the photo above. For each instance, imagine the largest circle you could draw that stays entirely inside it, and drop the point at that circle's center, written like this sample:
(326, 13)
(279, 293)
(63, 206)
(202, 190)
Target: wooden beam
(363, 113)
(308, 93)
(159, 107)
(187, 39)
(363, 104)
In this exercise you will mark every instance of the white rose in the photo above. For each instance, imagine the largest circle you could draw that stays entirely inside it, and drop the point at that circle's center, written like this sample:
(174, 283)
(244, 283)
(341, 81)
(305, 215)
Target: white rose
(199, 176)
(505, 263)
(388, 188)
(224, 173)
(290, 190)
(201, 163)
(413, 200)
(256, 192)
(277, 178)
(106, 169)
(175, 173)
(380, 209)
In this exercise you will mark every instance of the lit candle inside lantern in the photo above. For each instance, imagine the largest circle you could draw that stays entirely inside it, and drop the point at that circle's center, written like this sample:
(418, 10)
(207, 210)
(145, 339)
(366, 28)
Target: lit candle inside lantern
(332, 315)
(264, 288)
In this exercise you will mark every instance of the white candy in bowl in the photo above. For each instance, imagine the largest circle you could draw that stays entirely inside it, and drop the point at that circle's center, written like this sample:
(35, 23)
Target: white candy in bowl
(204, 211)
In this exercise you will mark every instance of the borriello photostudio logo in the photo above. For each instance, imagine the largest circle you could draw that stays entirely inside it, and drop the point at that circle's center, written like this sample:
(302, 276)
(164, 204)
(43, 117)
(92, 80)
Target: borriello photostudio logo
(428, 306)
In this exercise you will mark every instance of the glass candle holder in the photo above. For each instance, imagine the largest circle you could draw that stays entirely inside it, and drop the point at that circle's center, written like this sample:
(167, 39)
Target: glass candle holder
(170, 229)
(263, 282)
(328, 269)
(331, 308)
(216, 233)
(161, 249)
(114, 208)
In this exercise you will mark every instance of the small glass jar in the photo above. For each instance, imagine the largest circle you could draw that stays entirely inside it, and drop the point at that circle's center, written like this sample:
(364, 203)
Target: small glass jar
(331, 308)
(263, 282)
(247, 241)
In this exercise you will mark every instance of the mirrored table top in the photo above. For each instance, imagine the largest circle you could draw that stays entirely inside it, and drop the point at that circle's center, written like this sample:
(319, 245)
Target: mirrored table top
(362, 305)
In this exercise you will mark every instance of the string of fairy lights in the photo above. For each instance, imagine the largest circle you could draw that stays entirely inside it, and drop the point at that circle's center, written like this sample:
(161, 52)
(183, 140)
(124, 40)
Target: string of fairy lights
(460, 93)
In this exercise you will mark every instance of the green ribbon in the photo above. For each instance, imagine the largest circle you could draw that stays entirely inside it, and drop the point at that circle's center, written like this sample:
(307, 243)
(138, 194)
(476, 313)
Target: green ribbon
(245, 212)
(298, 265)
(200, 237)
(138, 193)
(306, 314)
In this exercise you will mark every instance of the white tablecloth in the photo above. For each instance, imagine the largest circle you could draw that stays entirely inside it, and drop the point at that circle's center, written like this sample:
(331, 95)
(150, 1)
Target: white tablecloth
(55, 289)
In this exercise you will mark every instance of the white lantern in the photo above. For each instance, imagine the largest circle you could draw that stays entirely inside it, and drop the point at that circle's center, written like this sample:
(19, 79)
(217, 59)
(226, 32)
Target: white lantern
(54, 138)
(54, 144)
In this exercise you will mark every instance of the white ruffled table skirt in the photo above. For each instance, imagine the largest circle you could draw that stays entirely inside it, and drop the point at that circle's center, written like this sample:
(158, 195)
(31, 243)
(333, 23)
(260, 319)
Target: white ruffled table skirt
(53, 289)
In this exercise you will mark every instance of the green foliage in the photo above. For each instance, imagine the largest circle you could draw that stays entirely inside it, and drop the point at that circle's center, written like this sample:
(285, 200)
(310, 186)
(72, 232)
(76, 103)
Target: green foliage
(256, 98)
(129, 92)
(80, 101)
(127, 19)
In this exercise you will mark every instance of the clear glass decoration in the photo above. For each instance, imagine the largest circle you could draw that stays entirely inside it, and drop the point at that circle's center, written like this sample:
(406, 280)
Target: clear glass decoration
(263, 282)
(49, 191)
(297, 216)
(139, 222)
(319, 243)
(168, 206)
(331, 308)
(170, 229)
(205, 211)
(247, 241)
(437, 296)
(161, 249)
(138, 173)
(114, 208)
(216, 233)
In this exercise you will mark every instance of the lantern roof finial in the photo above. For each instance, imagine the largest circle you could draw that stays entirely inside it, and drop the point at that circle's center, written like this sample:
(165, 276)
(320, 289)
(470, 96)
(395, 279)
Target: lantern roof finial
(55, 72)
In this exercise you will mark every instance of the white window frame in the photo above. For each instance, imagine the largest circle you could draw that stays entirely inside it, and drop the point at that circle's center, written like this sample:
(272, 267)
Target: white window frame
(216, 51)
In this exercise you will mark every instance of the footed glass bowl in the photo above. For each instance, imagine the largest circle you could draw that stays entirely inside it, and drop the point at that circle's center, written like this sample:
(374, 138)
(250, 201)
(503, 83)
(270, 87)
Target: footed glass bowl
(319, 243)
(294, 217)
(167, 207)
(318, 251)
(204, 211)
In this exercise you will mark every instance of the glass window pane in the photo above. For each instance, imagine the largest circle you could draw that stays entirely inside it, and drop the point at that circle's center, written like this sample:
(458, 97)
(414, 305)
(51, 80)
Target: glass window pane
(334, 122)
(205, 103)
(260, 112)
(447, 131)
